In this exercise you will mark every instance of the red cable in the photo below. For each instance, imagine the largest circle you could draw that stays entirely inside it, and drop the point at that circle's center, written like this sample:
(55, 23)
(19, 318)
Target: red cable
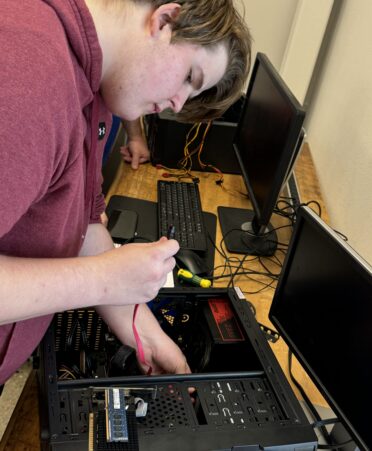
(141, 354)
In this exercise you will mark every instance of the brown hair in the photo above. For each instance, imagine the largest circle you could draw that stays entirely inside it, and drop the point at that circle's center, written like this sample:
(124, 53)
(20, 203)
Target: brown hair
(209, 23)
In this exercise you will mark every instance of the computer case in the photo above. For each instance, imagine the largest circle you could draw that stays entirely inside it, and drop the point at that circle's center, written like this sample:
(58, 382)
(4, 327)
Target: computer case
(241, 399)
(167, 138)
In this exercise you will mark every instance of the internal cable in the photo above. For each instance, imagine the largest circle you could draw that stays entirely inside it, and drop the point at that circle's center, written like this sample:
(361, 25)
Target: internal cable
(141, 353)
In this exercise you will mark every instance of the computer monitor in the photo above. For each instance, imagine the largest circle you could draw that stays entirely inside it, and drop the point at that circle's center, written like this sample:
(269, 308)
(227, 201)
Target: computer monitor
(322, 307)
(266, 143)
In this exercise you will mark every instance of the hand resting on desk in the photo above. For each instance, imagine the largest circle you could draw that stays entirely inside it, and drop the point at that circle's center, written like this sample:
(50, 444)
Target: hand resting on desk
(135, 152)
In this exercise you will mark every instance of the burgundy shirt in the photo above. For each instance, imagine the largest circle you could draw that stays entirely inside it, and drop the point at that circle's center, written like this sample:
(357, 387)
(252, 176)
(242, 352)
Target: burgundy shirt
(50, 144)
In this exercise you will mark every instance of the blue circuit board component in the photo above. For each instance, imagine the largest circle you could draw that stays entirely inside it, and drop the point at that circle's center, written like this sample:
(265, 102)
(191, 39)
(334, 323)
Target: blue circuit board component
(116, 418)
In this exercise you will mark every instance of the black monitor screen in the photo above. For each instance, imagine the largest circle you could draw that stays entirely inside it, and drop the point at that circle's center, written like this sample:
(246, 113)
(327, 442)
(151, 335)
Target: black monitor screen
(323, 309)
(267, 135)
(266, 144)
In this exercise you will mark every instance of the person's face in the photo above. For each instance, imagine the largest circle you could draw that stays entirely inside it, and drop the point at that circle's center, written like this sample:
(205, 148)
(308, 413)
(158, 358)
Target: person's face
(164, 78)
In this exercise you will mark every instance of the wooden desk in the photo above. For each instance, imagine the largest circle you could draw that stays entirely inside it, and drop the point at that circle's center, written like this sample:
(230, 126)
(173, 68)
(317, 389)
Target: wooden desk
(23, 431)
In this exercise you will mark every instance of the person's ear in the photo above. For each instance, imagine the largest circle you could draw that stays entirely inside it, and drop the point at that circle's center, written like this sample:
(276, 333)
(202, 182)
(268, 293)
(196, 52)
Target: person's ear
(162, 18)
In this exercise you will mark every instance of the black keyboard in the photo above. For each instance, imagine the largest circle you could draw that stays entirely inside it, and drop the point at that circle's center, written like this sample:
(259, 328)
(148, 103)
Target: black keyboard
(179, 205)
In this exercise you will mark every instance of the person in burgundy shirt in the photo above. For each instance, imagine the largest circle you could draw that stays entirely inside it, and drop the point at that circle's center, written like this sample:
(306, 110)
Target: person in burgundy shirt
(66, 67)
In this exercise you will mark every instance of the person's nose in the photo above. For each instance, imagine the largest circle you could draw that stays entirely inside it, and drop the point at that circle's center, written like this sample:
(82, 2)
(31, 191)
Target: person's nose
(179, 99)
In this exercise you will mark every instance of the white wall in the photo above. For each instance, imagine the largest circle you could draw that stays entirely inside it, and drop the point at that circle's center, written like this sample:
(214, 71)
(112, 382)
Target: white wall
(305, 41)
(270, 23)
(339, 126)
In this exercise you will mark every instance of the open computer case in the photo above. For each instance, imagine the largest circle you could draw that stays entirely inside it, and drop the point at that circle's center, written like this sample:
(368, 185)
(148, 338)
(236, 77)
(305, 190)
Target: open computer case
(240, 398)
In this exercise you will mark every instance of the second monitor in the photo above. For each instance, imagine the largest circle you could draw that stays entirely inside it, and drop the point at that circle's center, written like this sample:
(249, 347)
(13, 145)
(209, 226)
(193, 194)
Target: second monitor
(266, 144)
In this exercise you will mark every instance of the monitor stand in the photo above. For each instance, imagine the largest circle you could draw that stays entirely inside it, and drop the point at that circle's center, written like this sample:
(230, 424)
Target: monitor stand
(239, 238)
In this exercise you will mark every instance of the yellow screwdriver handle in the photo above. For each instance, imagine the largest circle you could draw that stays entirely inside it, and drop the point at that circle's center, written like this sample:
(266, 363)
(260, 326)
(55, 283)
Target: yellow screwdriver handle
(188, 276)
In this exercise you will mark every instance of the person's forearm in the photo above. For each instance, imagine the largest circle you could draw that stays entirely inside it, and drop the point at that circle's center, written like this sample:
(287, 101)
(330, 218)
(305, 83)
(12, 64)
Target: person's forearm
(136, 150)
(161, 354)
(101, 275)
(97, 240)
(120, 319)
(133, 129)
(35, 287)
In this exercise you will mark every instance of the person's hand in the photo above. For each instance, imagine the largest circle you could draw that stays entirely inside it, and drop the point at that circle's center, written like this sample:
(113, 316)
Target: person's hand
(135, 152)
(163, 355)
(160, 351)
(134, 273)
(104, 219)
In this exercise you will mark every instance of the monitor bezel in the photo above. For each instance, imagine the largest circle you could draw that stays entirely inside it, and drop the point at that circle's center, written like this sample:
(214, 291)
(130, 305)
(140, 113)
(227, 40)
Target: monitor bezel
(306, 214)
(262, 216)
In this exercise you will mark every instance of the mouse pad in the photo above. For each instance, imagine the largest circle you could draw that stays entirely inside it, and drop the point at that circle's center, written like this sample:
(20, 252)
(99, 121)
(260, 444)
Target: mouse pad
(147, 225)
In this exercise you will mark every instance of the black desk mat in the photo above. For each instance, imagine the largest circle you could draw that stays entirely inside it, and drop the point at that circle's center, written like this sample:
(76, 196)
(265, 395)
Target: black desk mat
(147, 226)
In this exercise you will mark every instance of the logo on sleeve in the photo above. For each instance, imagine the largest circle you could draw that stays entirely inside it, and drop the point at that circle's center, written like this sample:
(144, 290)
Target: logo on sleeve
(101, 130)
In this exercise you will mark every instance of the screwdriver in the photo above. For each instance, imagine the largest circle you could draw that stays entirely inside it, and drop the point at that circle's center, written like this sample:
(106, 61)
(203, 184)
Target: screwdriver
(171, 232)
(188, 276)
